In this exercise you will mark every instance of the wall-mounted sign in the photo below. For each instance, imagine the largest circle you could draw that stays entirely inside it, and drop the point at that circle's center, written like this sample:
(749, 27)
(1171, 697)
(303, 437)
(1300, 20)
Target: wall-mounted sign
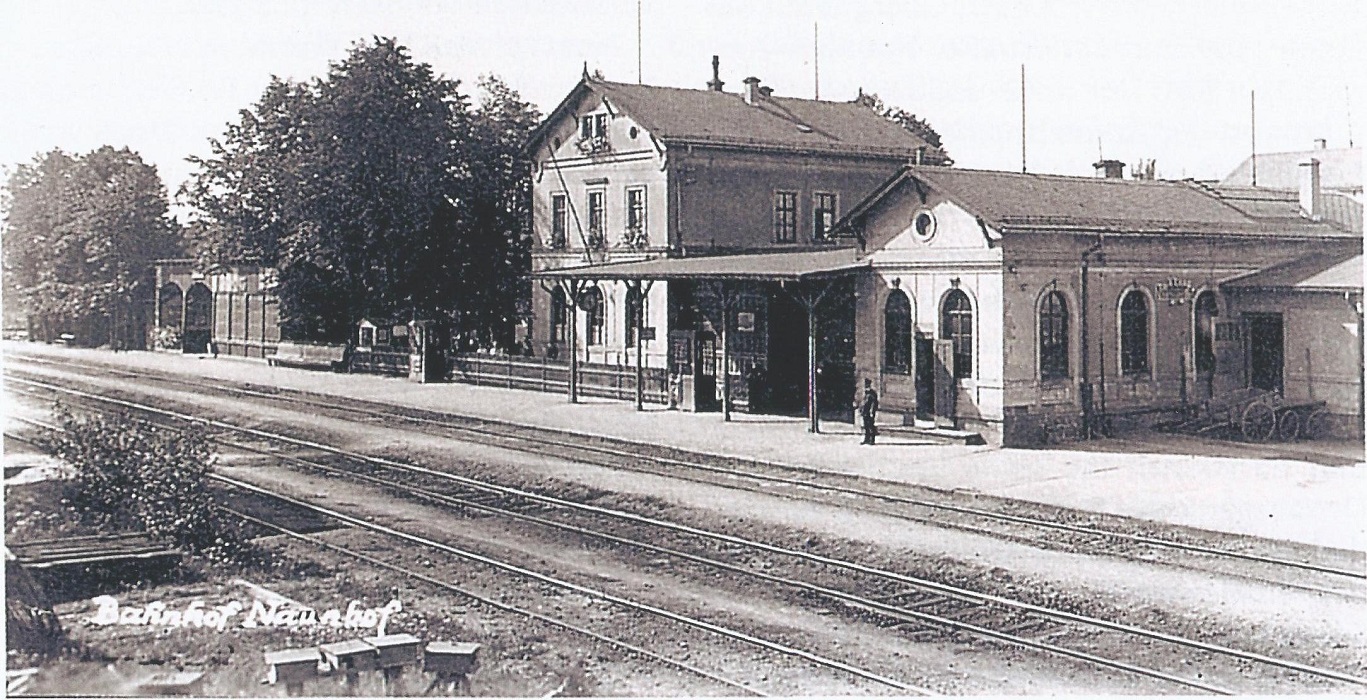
(745, 321)
(1173, 290)
(648, 333)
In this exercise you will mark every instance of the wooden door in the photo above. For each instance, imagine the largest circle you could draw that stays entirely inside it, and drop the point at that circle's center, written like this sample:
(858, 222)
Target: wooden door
(945, 386)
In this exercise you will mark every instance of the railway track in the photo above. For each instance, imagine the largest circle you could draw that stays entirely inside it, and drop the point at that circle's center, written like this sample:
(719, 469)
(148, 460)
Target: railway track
(802, 483)
(507, 567)
(895, 599)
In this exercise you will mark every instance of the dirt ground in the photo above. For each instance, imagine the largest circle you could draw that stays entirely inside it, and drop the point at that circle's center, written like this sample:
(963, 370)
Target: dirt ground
(524, 659)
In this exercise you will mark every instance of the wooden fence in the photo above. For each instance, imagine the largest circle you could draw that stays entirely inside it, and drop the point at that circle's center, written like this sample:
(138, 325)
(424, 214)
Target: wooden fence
(542, 374)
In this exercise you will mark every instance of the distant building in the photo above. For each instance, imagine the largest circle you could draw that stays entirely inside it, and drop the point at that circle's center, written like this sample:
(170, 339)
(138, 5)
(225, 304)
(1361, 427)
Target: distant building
(227, 309)
(1340, 170)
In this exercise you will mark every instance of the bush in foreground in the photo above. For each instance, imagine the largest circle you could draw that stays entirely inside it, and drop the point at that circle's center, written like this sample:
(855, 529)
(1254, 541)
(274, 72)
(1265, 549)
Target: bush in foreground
(132, 474)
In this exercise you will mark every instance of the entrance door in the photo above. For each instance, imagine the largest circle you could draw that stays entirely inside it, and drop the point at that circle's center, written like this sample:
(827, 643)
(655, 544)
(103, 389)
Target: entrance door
(945, 386)
(705, 378)
(787, 355)
(199, 319)
(1265, 351)
(925, 378)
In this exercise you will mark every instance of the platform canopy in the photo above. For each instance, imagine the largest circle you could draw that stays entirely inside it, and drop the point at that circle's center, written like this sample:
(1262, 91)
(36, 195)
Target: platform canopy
(784, 267)
(1318, 272)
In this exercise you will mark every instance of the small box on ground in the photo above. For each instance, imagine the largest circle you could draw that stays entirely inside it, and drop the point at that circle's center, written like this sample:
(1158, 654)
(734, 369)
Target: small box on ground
(451, 657)
(292, 665)
(350, 656)
(172, 683)
(395, 649)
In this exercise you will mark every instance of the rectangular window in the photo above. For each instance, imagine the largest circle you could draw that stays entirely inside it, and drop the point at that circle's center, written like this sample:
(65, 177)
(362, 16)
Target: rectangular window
(636, 209)
(823, 215)
(635, 236)
(596, 236)
(596, 211)
(785, 217)
(593, 125)
(558, 220)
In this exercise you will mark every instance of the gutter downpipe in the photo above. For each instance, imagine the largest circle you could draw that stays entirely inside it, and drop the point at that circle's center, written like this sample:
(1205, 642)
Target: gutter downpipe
(1362, 358)
(1088, 418)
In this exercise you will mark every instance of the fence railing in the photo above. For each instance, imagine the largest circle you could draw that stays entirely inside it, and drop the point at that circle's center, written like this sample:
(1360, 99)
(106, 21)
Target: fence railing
(380, 362)
(542, 374)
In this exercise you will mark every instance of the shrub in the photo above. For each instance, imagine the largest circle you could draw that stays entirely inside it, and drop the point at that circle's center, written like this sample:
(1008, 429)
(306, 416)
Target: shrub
(132, 474)
(167, 338)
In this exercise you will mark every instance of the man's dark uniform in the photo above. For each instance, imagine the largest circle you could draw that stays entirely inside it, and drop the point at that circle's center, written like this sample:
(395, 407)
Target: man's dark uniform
(868, 411)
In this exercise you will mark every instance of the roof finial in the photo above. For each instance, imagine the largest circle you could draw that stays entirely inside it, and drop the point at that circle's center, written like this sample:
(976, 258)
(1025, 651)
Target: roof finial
(586, 70)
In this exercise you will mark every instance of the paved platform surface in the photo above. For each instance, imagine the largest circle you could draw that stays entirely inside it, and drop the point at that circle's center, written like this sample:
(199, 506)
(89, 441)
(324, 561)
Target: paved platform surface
(1309, 492)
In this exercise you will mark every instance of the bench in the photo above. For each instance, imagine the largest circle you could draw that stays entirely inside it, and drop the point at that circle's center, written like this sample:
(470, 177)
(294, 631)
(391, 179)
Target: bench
(287, 354)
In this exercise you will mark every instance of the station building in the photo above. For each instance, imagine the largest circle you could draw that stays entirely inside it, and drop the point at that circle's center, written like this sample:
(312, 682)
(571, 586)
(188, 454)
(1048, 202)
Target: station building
(706, 183)
(227, 309)
(696, 230)
(1028, 306)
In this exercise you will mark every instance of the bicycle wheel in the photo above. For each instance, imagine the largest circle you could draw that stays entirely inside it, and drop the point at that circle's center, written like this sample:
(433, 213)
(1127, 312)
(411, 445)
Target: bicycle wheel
(1258, 422)
(1316, 425)
(1289, 426)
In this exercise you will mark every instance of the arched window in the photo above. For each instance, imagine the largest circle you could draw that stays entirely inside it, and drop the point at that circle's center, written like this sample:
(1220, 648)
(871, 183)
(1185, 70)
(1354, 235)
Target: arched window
(1053, 336)
(897, 334)
(559, 319)
(171, 300)
(956, 324)
(592, 303)
(199, 308)
(1206, 311)
(1134, 333)
(635, 309)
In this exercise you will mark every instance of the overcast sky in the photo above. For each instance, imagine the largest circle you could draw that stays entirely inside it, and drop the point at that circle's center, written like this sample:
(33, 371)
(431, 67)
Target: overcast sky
(1163, 80)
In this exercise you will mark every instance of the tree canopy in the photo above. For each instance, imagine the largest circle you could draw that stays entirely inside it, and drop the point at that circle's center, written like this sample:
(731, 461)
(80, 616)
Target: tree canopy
(81, 232)
(378, 190)
(910, 122)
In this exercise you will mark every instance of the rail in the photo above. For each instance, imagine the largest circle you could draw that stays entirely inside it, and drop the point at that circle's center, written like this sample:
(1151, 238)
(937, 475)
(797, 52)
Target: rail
(977, 598)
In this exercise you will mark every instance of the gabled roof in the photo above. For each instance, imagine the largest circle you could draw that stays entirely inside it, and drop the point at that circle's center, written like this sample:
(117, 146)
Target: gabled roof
(1340, 169)
(1340, 210)
(785, 266)
(1010, 201)
(707, 117)
(1319, 272)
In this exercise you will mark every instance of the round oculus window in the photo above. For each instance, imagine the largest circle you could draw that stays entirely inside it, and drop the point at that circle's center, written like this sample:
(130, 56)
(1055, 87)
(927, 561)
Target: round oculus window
(633, 133)
(923, 224)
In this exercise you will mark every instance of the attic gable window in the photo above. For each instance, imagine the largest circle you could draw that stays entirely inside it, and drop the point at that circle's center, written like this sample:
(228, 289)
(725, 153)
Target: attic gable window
(593, 133)
(593, 126)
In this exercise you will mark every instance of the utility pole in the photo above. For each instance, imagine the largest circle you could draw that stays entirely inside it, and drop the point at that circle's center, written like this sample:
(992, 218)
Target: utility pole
(1022, 117)
(816, 60)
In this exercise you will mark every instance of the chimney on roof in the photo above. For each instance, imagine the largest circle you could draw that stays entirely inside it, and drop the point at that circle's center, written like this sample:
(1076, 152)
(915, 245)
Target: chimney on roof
(1110, 169)
(715, 83)
(1312, 199)
(765, 91)
(751, 91)
(920, 157)
(1321, 144)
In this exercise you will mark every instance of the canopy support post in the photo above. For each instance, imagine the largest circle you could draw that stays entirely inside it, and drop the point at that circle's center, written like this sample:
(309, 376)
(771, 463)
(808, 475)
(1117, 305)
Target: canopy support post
(810, 300)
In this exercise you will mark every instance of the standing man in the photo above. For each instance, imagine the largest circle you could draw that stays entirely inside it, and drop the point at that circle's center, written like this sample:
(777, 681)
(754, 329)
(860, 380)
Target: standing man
(868, 411)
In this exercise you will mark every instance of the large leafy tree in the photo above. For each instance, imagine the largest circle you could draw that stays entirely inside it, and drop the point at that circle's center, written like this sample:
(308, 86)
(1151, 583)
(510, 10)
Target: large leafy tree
(379, 190)
(911, 123)
(81, 233)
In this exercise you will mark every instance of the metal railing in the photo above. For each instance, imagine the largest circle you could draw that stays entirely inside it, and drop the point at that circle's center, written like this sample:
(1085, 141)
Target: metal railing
(542, 374)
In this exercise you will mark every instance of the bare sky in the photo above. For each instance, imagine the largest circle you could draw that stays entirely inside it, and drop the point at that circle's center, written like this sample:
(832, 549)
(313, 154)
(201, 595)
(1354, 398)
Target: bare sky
(1164, 80)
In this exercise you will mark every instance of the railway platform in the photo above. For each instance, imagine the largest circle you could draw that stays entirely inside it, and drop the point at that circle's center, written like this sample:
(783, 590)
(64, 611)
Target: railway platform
(1306, 492)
